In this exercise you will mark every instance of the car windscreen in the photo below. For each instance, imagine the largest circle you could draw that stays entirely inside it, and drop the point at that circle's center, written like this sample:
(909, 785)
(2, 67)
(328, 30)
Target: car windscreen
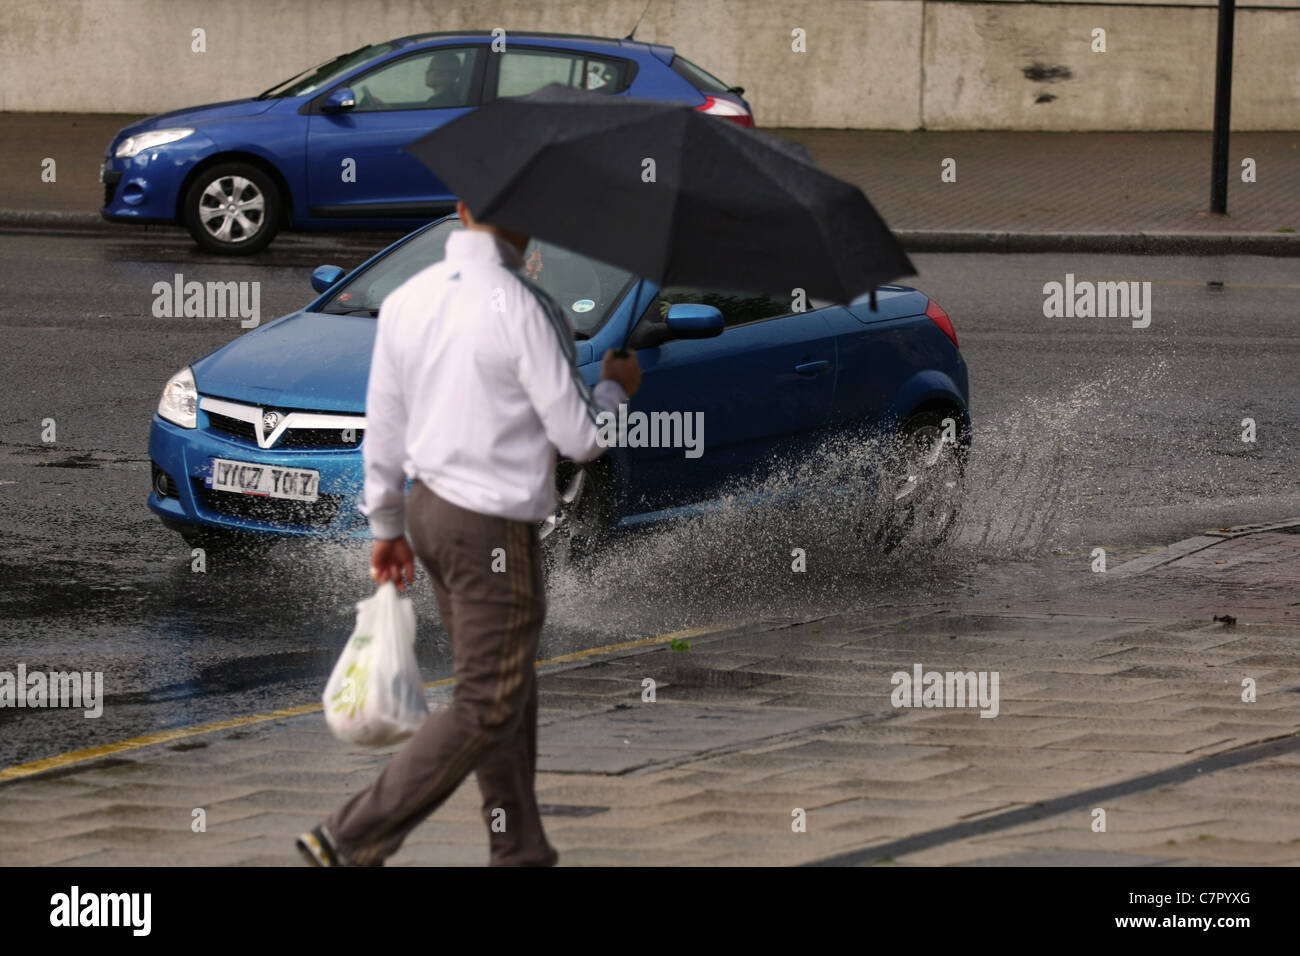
(326, 73)
(586, 289)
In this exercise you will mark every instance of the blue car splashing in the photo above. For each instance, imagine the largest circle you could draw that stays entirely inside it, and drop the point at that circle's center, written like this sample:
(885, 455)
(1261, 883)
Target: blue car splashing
(266, 434)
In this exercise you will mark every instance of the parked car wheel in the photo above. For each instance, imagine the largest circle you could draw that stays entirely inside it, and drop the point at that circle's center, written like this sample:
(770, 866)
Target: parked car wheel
(921, 483)
(581, 520)
(233, 209)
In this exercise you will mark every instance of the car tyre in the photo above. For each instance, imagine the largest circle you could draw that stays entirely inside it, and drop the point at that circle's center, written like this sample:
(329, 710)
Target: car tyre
(581, 522)
(233, 209)
(921, 485)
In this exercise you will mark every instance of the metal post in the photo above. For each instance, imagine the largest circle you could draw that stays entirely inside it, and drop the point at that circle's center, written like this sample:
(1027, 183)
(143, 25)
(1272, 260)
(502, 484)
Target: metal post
(1222, 108)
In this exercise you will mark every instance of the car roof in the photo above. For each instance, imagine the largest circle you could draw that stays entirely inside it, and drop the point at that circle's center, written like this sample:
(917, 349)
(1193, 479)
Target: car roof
(612, 42)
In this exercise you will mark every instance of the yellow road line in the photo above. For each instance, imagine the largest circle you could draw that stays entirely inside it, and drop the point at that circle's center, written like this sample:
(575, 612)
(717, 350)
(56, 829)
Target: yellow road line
(644, 642)
(165, 736)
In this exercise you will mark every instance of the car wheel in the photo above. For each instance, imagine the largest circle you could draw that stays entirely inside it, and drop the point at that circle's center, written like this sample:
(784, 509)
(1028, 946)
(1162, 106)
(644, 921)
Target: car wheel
(581, 520)
(232, 209)
(920, 486)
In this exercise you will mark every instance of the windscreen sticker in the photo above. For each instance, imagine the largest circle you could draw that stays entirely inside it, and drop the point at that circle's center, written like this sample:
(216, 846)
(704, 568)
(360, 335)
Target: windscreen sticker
(583, 305)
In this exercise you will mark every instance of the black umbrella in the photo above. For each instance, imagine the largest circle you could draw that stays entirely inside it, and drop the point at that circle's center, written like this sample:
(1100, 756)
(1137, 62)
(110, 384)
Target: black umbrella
(666, 192)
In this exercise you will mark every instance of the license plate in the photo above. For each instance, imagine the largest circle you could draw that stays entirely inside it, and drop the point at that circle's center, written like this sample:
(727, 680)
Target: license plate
(102, 167)
(265, 481)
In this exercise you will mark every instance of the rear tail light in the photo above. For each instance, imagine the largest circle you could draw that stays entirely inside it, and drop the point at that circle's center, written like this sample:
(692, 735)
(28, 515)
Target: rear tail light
(941, 319)
(717, 106)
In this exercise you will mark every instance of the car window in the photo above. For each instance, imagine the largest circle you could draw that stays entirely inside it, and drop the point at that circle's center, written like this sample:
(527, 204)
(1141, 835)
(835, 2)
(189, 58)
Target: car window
(525, 71)
(433, 80)
(698, 77)
(737, 308)
(309, 81)
(586, 289)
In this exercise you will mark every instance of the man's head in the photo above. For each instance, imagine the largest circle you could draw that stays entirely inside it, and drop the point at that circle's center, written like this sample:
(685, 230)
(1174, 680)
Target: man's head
(440, 76)
(517, 239)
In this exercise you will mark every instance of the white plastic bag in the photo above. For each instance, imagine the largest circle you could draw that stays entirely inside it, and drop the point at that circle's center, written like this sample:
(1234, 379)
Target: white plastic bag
(375, 695)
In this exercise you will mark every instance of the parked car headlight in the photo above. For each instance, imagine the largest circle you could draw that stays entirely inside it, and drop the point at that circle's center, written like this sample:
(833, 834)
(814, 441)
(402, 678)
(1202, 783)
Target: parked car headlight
(180, 400)
(155, 137)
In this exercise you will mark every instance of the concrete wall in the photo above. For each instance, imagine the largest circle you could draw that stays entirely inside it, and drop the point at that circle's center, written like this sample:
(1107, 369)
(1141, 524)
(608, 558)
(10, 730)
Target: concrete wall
(1031, 67)
(878, 64)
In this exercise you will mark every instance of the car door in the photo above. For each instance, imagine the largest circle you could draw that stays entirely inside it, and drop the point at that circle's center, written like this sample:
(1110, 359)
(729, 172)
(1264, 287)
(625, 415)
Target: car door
(356, 166)
(760, 391)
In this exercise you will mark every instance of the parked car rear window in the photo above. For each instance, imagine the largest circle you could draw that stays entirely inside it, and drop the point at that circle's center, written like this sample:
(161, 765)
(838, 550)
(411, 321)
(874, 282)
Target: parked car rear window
(698, 77)
(524, 71)
(586, 289)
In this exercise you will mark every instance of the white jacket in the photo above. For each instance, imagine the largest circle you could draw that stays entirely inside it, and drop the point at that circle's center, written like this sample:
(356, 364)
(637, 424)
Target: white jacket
(472, 388)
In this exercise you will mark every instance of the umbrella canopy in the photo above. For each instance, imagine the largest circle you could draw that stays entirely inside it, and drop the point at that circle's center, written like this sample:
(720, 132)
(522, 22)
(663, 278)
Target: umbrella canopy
(666, 192)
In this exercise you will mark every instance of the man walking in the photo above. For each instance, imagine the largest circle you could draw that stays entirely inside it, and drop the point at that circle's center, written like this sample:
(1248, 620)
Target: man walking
(472, 389)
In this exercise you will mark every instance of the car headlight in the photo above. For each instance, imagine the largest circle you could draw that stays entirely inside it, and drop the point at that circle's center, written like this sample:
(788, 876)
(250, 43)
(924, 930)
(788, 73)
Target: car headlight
(155, 137)
(180, 400)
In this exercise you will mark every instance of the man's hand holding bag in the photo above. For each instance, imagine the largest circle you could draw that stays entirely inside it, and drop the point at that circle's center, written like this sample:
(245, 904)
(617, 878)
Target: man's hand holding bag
(375, 695)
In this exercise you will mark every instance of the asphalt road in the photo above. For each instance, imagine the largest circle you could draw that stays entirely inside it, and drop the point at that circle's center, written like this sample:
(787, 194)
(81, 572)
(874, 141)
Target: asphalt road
(1088, 433)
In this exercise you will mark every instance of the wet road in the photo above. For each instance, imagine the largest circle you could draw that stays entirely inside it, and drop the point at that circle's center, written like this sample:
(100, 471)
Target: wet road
(1088, 432)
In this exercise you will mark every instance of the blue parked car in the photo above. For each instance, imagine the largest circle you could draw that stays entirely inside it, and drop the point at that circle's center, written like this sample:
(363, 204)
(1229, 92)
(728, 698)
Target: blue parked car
(324, 149)
(266, 433)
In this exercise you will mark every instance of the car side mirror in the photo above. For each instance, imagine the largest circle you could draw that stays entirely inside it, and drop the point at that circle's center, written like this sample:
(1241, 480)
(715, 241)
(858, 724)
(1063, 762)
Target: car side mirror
(685, 320)
(338, 101)
(322, 277)
(689, 320)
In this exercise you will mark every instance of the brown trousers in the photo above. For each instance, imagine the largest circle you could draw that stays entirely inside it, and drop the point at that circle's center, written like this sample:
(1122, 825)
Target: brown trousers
(494, 619)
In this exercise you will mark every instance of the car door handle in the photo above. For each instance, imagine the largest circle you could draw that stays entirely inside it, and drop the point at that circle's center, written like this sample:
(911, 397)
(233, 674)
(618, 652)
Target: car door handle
(813, 368)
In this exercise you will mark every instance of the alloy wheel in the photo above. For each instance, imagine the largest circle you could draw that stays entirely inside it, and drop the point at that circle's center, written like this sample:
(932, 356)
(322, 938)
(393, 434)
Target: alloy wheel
(232, 209)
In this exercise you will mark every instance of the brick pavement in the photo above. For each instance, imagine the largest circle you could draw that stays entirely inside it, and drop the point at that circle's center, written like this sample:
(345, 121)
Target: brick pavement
(1103, 684)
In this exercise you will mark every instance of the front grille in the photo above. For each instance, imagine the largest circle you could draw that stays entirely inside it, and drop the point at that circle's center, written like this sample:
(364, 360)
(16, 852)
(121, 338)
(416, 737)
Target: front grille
(232, 426)
(314, 438)
(314, 514)
(318, 438)
(110, 190)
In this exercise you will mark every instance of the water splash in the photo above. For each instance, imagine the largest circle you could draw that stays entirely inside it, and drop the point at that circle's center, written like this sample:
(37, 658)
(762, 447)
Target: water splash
(1032, 480)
